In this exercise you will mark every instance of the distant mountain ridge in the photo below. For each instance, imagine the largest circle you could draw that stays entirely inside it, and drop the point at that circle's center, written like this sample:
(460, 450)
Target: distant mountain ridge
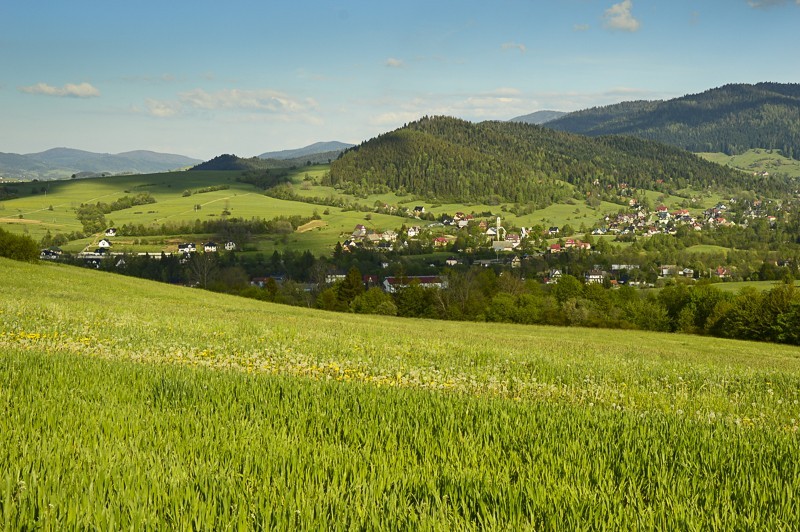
(729, 119)
(61, 162)
(312, 149)
(539, 117)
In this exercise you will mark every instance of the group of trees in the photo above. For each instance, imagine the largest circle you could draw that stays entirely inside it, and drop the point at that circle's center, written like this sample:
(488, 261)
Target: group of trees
(18, 247)
(92, 216)
(481, 295)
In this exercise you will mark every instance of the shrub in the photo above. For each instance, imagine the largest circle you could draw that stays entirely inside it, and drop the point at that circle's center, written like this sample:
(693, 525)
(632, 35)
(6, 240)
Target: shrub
(18, 247)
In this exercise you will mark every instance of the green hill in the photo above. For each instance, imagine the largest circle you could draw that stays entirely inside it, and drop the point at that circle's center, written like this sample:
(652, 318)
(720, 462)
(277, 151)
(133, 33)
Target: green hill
(454, 160)
(729, 119)
(273, 417)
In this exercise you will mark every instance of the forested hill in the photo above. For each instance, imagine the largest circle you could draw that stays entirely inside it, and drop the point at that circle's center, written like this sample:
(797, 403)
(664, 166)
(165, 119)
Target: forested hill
(729, 119)
(453, 160)
(233, 162)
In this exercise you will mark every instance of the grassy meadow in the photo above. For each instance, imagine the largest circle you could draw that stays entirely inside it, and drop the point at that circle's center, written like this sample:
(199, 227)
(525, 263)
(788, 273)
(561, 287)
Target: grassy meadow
(131, 404)
(52, 208)
(757, 160)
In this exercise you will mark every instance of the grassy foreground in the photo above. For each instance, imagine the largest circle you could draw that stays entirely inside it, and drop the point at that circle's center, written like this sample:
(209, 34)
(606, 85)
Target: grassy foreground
(128, 404)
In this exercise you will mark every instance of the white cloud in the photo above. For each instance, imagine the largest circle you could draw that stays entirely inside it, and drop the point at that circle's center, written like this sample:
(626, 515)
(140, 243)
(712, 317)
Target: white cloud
(619, 17)
(264, 100)
(395, 119)
(161, 108)
(394, 63)
(763, 4)
(81, 90)
(515, 46)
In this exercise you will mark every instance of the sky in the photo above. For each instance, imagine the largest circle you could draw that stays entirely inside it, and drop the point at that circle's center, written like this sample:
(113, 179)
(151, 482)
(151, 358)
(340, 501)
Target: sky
(203, 78)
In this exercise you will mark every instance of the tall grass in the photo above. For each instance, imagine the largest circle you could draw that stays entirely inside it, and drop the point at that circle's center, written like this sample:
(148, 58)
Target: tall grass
(127, 404)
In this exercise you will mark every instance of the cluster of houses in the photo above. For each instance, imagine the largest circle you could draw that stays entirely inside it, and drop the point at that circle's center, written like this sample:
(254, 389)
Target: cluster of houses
(187, 248)
(663, 221)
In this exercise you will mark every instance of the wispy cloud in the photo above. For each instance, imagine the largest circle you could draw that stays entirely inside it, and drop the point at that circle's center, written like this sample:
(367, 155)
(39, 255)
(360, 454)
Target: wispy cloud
(393, 62)
(263, 101)
(161, 108)
(515, 46)
(619, 17)
(254, 100)
(580, 27)
(70, 90)
(763, 4)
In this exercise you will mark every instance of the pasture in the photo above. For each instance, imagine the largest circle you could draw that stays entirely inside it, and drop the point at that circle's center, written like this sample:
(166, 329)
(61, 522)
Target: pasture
(232, 413)
(757, 160)
(53, 208)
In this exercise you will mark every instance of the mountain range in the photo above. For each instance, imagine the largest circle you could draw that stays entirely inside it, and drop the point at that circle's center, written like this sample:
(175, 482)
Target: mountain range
(730, 119)
(63, 162)
(539, 117)
(311, 150)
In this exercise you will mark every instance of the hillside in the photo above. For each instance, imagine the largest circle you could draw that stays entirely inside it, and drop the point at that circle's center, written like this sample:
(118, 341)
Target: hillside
(228, 162)
(539, 117)
(450, 159)
(316, 149)
(62, 162)
(729, 119)
(266, 416)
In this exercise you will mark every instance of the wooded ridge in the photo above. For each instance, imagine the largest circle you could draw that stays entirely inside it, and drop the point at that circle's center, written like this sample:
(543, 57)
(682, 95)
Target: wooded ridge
(730, 119)
(449, 159)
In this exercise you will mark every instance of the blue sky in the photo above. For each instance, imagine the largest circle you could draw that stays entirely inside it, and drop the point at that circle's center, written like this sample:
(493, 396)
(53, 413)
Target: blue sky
(203, 78)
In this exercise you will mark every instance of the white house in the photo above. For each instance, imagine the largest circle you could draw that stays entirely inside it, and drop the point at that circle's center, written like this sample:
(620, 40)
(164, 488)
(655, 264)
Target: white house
(210, 247)
(104, 244)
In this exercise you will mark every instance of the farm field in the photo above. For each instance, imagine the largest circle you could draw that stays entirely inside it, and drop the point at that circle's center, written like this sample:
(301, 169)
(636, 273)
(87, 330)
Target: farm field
(757, 160)
(53, 206)
(761, 286)
(237, 413)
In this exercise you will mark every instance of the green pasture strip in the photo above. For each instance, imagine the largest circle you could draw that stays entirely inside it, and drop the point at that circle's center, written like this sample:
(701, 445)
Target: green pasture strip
(89, 443)
(761, 286)
(757, 160)
(708, 248)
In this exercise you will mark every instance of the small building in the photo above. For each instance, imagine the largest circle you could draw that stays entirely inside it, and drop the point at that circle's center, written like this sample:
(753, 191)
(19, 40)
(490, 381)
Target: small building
(210, 247)
(48, 254)
(104, 243)
(111, 231)
(502, 245)
(230, 246)
(360, 231)
(186, 248)
(595, 277)
(393, 284)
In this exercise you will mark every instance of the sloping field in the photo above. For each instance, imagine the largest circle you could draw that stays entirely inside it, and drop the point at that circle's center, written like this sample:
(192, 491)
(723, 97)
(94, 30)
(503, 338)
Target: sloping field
(129, 404)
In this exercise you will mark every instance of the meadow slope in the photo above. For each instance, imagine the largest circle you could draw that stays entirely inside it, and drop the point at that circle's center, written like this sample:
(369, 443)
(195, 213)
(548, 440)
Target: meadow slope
(128, 403)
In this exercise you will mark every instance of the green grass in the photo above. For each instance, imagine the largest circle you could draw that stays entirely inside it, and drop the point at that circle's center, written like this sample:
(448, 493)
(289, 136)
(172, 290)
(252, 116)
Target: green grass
(236, 413)
(757, 160)
(761, 286)
(708, 248)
